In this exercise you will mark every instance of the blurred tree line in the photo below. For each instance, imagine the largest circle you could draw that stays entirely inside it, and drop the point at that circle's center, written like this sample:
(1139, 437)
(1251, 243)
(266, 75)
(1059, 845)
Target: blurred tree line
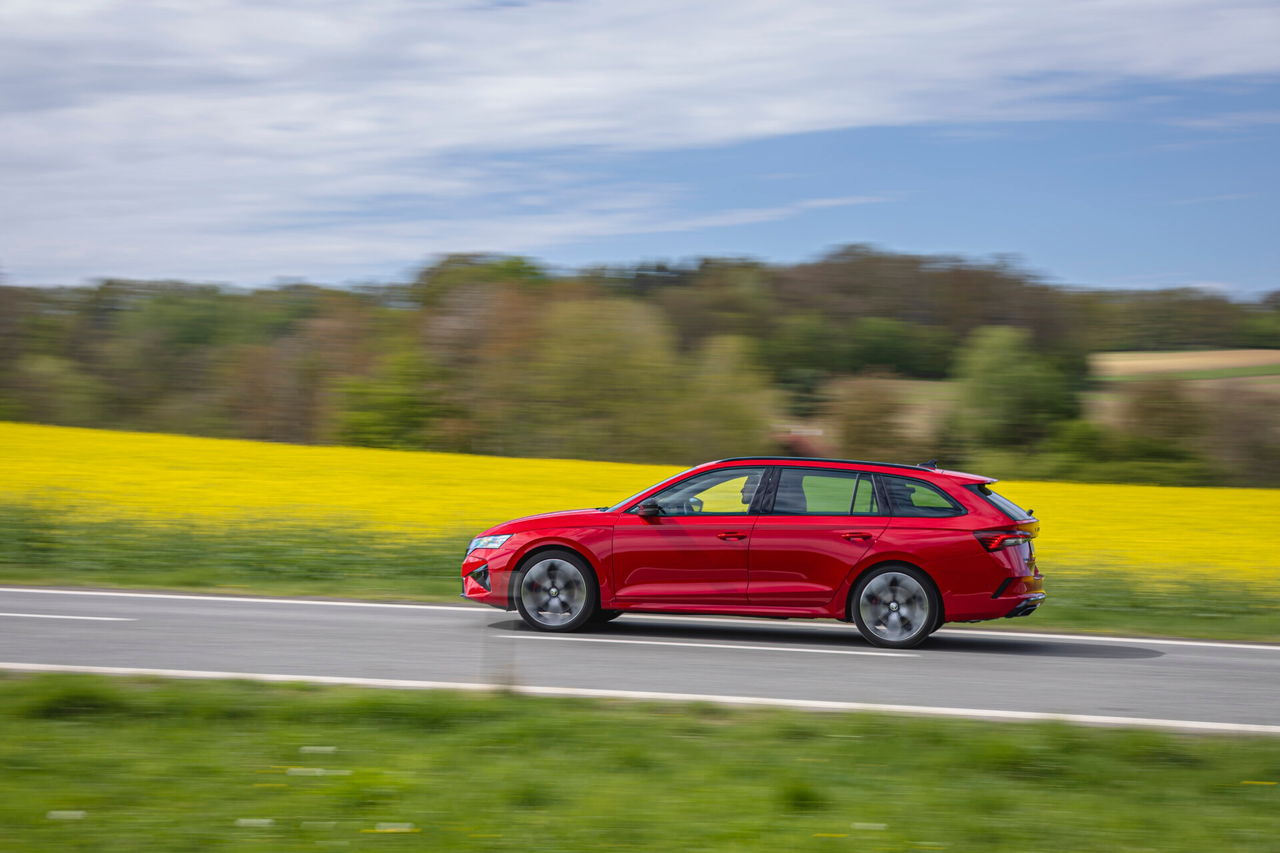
(656, 363)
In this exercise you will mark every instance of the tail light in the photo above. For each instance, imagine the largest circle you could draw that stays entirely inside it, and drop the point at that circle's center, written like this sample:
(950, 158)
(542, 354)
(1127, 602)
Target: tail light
(1004, 537)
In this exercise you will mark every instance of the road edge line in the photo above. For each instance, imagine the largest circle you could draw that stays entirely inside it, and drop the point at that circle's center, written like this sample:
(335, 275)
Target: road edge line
(1196, 726)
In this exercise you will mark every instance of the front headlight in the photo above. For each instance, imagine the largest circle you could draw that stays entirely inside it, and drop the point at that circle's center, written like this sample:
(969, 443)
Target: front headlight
(487, 542)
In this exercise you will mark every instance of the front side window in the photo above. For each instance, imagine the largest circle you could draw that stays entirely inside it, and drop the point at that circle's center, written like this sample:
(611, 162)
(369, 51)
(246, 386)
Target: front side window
(808, 491)
(726, 491)
(918, 499)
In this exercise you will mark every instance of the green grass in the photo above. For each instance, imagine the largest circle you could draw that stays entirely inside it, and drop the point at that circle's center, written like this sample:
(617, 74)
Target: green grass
(175, 766)
(270, 557)
(279, 559)
(1124, 603)
(1204, 373)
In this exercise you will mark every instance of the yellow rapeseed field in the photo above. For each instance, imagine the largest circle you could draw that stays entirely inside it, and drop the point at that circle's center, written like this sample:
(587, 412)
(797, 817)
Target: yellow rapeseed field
(148, 479)
(168, 479)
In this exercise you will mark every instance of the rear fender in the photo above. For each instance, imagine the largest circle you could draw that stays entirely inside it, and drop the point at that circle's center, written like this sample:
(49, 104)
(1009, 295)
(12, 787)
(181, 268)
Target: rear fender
(844, 595)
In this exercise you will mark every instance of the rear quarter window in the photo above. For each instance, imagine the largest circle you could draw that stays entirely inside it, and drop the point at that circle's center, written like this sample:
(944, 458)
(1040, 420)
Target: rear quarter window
(918, 499)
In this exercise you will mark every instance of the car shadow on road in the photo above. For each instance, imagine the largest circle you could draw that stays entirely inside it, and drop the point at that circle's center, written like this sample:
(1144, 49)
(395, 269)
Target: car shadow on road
(830, 636)
(1013, 644)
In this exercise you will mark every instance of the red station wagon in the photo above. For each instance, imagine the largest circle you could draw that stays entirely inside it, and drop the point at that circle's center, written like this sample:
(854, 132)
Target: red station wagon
(897, 549)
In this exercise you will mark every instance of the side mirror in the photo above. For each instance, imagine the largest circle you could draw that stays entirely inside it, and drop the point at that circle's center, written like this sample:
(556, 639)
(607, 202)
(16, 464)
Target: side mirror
(648, 508)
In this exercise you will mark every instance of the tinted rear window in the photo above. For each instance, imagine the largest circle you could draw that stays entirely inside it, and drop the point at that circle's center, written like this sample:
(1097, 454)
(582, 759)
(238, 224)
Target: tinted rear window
(1001, 503)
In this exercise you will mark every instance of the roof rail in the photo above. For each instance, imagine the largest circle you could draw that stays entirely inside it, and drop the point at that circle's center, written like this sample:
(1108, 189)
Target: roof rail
(822, 459)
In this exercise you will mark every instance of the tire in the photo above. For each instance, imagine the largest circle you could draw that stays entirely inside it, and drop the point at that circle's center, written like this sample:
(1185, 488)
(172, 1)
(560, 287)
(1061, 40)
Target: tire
(557, 591)
(896, 606)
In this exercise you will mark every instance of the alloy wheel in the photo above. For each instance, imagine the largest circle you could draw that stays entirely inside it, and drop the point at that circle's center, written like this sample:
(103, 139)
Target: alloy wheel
(895, 607)
(553, 592)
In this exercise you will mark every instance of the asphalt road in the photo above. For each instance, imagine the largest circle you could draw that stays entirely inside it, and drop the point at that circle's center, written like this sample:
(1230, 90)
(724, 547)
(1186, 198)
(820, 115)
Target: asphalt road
(1184, 685)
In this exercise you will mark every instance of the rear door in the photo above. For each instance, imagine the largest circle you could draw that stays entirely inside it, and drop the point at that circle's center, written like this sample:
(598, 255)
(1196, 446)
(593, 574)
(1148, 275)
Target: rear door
(818, 524)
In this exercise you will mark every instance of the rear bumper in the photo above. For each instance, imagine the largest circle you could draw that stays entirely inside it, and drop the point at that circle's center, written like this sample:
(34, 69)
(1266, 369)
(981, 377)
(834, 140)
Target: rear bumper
(1025, 585)
(1017, 595)
(1027, 606)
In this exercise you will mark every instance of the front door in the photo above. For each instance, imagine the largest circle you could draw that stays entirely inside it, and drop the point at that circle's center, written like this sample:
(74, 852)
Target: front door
(819, 526)
(695, 551)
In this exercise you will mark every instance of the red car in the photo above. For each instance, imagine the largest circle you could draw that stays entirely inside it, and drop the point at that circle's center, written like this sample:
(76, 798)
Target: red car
(898, 549)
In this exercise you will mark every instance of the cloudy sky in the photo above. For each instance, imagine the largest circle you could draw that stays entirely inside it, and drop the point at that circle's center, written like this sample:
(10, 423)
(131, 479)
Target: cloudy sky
(1107, 142)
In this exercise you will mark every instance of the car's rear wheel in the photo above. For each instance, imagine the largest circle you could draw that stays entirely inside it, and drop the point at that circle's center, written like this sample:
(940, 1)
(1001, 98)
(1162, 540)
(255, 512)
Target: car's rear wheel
(557, 591)
(896, 606)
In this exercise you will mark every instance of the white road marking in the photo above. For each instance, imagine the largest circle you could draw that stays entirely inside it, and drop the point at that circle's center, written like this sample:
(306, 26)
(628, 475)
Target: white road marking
(707, 645)
(796, 623)
(52, 616)
(828, 626)
(243, 599)
(1104, 638)
(644, 695)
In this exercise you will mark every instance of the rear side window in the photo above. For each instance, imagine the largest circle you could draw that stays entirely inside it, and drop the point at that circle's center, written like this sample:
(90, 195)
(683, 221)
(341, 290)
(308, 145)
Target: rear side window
(809, 491)
(1001, 503)
(918, 499)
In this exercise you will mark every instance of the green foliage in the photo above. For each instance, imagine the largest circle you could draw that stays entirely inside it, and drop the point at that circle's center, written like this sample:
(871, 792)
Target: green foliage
(51, 389)
(864, 419)
(728, 408)
(1176, 468)
(1086, 452)
(1008, 395)
(1159, 411)
(802, 351)
(602, 379)
(457, 271)
(904, 348)
(394, 407)
(454, 359)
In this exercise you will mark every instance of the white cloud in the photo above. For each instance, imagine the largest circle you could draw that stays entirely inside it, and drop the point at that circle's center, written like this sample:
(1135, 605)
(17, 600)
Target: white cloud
(1233, 121)
(232, 137)
(1214, 199)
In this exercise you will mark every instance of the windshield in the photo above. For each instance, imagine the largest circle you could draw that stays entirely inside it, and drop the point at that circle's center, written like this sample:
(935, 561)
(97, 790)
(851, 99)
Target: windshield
(620, 504)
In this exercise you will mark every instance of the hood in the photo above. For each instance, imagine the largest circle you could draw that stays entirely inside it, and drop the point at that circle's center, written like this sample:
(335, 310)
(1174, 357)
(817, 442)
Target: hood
(564, 518)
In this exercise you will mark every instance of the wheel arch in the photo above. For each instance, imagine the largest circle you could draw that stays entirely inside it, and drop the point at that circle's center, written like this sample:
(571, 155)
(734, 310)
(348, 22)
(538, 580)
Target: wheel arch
(856, 577)
(542, 548)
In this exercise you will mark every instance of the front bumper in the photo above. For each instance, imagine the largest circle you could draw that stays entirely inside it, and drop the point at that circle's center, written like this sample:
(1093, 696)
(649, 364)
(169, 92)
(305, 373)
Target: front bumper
(486, 576)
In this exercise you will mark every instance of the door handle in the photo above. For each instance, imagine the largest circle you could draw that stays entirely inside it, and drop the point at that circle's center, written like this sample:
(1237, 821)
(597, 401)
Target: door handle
(855, 536)
(732, 536)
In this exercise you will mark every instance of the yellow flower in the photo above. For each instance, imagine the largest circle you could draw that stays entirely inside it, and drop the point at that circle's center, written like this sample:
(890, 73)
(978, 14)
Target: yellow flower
(99, 475)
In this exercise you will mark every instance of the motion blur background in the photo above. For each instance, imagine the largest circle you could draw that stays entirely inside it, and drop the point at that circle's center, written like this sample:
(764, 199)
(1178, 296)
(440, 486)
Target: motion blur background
(660, 234)
(1035, 240)
(863, 353)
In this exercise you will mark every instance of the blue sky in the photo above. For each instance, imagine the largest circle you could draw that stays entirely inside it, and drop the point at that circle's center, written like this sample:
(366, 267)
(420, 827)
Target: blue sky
(1140, 196)
(1106, 143)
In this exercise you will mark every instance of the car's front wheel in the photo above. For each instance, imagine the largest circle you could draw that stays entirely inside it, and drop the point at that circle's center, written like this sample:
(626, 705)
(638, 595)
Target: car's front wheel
(557, 591)
(896, 606)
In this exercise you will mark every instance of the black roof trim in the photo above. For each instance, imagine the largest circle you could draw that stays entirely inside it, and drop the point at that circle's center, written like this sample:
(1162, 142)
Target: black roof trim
(819, 459)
